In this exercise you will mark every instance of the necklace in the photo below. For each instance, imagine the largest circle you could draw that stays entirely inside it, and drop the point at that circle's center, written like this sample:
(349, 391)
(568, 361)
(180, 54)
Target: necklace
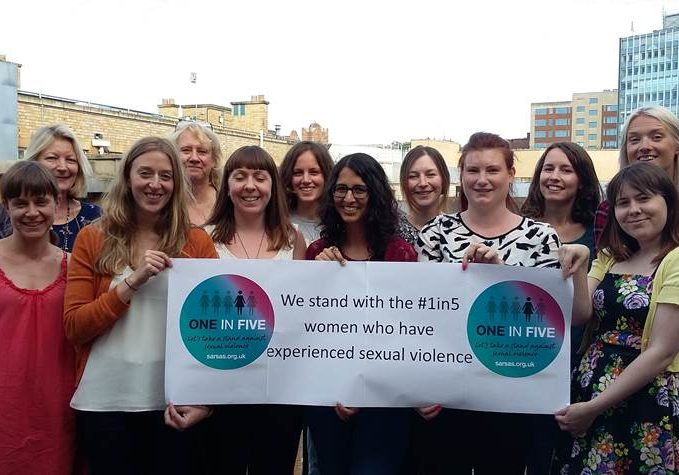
(65, 231)
(259, 248)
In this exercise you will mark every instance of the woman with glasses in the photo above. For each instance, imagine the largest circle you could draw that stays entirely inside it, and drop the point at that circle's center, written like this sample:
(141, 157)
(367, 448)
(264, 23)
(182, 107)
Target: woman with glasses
(304, 172)
(487, 230)
(57, 148)
(37, 370)
(250, 221)
(359, 221)
(201, 154)
(424, 185)
(115, 314)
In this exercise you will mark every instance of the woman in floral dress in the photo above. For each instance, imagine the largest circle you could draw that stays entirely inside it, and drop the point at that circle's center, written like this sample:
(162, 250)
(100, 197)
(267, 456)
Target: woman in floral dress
(625, 412)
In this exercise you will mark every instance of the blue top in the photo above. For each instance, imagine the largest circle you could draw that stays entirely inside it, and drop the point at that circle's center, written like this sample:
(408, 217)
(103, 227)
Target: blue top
(65, 232)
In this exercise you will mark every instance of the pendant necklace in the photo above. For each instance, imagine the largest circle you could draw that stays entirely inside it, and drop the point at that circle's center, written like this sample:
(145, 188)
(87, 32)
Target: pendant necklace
(259, 248)
(65, 232)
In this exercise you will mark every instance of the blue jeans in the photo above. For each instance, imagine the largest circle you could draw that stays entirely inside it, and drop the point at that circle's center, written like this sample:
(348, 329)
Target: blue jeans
(373, 442)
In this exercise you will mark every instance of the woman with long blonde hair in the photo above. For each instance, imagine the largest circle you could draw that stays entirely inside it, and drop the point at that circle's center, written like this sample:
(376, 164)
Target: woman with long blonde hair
(115, 307)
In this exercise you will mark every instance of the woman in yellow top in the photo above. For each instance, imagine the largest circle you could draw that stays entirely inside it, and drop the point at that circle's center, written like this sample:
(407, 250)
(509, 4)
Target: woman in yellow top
(625, 414)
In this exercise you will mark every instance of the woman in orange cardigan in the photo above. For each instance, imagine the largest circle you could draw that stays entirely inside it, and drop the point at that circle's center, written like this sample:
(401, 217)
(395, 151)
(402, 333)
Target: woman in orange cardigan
(115, 306)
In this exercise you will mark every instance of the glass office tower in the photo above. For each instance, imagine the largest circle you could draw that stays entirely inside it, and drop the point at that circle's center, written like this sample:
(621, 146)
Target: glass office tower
(649, 70)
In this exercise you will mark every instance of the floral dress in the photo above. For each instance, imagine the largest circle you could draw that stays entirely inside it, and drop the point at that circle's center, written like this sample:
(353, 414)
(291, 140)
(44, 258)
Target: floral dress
(640, 434)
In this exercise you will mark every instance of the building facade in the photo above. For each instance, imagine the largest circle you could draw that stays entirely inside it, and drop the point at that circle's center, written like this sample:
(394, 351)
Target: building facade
(648, 72)
(588, 119)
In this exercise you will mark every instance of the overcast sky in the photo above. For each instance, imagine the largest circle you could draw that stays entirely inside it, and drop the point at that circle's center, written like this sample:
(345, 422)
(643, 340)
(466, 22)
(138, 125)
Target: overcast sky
(370, 71)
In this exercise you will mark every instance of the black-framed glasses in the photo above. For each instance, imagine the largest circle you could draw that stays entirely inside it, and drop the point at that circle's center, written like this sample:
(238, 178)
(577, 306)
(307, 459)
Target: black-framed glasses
(358, 191)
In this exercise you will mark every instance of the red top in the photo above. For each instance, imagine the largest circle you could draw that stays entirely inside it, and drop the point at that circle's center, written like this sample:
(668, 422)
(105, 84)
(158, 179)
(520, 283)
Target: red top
(398, 250)
(37, 380)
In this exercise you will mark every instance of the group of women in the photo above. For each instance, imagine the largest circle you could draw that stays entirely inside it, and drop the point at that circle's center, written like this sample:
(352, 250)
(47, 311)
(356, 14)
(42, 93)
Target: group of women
(84, 302)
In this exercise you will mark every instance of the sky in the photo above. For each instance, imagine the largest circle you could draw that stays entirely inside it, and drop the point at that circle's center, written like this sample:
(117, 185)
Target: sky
(369, 71)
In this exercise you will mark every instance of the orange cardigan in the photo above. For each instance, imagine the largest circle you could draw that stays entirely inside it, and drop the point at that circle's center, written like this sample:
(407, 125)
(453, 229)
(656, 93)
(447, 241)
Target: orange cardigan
(90, 307)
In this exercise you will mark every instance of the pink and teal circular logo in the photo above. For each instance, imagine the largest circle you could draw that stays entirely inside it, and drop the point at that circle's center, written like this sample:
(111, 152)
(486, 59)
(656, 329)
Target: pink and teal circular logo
(515, 329)
(227, 321)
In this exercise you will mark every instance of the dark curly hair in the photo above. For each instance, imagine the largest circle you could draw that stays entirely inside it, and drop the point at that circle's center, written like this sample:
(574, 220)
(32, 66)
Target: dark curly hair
(381, 214)
(287, 166)
(589, 190)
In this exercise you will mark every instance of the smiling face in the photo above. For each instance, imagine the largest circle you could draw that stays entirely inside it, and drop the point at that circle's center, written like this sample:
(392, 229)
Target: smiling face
(32, 216)
(250, 190)
(485, 178)
(640, 214)
(649, 141)
(60, 158)
(558, 180)
(350, 208)
(424, 183)
(151, 181)
(196, 157)
(307, 179)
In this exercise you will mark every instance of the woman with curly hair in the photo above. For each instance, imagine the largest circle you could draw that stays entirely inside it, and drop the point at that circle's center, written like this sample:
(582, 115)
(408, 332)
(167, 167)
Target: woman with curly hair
(359, 221)
(625, 412)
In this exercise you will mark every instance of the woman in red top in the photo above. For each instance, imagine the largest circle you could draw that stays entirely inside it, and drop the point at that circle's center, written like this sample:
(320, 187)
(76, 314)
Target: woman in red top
(36, 374)
(359, 221)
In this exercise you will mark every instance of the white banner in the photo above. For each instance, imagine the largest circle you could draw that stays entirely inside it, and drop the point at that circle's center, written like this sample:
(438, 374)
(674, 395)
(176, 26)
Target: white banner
(370, 334)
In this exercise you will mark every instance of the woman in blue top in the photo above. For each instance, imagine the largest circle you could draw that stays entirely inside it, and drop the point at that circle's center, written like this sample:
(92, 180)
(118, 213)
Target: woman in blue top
(57, 148)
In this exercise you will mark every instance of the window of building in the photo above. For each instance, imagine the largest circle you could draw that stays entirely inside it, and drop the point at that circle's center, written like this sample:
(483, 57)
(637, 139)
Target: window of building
(580, 120)
(239, 110)
(593, 112)
(611, 144)
(550, 122)
(550, 134)
(593, 100)
(540, 122)
(562, 110)
(611, 119)
(580, 109)
(540, 134)
(561, 133)
(591, 125)
(579, 133)
(540, 145)
(562, 122)
(591, 137)
(541, 111)
(612, 132)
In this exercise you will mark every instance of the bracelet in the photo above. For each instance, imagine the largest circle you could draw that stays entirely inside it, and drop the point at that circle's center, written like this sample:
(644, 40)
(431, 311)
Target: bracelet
(130, 285)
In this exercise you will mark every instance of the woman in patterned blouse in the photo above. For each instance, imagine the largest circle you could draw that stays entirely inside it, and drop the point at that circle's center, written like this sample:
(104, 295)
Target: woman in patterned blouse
(487, 230)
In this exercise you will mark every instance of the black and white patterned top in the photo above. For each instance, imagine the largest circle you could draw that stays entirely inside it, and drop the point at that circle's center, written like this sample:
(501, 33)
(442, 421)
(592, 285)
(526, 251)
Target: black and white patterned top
(530, 244)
